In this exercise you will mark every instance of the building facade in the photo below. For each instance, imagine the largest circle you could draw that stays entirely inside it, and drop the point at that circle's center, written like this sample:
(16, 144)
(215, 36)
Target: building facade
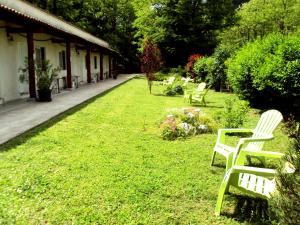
(28, 34)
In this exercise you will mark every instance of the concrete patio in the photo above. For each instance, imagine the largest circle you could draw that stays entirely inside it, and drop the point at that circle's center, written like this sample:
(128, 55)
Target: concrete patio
(19, 117)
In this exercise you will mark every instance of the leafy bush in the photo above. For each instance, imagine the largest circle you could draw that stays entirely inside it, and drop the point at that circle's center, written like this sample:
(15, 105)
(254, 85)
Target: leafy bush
(190, 65)
(234, 113)
(172, 90)
(164, 73)
(217, 77)
(286, 205)
(267, 71)
(203, 68)
(186, 122)
(213, 69)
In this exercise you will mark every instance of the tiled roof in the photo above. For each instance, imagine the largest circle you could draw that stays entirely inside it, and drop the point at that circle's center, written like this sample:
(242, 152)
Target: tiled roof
(31, 12)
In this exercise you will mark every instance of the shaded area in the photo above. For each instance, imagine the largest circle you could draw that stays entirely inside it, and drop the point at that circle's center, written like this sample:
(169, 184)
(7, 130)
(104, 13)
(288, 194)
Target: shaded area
(249, 209)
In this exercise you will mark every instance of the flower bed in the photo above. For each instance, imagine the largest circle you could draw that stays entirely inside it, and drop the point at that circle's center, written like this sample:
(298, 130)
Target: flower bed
(185, 122)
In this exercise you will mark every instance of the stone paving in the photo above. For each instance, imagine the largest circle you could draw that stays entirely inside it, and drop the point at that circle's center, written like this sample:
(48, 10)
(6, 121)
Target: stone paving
(19, 117)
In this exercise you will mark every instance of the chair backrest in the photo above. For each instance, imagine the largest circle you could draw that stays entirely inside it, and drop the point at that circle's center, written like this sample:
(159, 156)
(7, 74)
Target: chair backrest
(267, 123)
(171, 80)
(201, 87)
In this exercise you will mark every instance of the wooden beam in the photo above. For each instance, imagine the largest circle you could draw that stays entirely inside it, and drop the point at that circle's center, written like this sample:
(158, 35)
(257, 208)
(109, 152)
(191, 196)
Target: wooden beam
(69, 68)
(31, 69)
(58, 41)
(101, 66)
(88, 65)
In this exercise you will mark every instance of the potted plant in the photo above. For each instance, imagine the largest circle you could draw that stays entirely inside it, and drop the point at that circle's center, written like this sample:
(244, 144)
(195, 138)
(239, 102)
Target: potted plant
(45, 73)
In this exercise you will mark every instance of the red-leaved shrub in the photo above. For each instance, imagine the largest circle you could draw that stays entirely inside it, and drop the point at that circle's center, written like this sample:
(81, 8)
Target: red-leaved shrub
(190, 65)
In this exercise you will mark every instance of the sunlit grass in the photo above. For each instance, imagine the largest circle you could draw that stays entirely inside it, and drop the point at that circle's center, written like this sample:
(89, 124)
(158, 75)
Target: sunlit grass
(105, 163)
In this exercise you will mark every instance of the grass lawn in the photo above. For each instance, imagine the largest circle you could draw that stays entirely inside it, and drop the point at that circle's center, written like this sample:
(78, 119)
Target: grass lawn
(105, 163)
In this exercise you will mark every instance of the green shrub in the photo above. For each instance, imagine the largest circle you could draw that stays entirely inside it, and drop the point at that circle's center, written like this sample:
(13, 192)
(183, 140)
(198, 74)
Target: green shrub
(267, 71)
(203, 68)
(234, 113)
(213, 69)
(217, 77)
(173, 90)
(165, 73)
(286, 205)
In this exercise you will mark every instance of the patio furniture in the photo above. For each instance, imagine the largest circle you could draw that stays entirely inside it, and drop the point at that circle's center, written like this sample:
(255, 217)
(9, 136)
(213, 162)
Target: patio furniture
(169, 81)
(258, 182)
(199, 97)
(188, 93)
(267, 123)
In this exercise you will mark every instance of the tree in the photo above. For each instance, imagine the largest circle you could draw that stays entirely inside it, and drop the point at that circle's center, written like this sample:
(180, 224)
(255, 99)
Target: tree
(258, 18)
(181, 27)
(150, 61)
(110, 20)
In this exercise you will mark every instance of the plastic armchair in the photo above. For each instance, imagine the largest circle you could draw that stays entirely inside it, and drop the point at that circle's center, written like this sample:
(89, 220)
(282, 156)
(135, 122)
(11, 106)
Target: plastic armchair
(263, 132)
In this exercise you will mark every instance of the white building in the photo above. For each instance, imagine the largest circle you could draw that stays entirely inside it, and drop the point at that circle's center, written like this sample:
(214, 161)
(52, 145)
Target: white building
(29, 32)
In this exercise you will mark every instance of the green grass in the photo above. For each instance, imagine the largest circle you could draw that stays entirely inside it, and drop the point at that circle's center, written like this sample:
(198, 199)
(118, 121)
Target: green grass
(105, 163)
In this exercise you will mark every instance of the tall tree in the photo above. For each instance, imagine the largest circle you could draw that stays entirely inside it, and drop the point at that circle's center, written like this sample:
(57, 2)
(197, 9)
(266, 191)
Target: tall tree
(258, 18)
(182, 27)
(110, 20)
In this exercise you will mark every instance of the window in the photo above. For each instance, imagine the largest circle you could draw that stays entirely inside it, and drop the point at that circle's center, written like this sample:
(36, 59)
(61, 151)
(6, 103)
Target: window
(62, 60)
(40, 55)
(95, 62)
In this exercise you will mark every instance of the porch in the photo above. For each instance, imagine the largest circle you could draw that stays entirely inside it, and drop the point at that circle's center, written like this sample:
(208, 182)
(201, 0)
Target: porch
(21, 116)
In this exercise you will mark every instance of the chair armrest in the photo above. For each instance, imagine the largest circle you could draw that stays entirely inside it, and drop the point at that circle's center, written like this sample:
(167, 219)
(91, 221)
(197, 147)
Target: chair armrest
(268, 154)
(254, 170)
(238, 130)
(256, 139)
(223, 132)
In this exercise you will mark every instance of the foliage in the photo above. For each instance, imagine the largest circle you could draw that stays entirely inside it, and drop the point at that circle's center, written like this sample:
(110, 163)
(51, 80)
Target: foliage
(234, 113)
(165, 73)
(110, 20)
(203, 68)
(95, 164)
(45, 73)
(266, 71)
(150, 61)
(258, 18)
(217, 78)
(186, 122)
(213, 69)
(286, 205)
(190, 64)
(173, 90)
(181, 27)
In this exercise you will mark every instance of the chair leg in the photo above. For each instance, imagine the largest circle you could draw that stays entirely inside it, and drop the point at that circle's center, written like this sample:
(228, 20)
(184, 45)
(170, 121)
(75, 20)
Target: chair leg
(213, 158)
(223, 188)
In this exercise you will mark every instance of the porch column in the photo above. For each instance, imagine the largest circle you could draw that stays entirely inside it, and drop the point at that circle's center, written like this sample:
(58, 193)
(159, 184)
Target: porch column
(69, 70)
(101, 66)
(31, 69)
(88, 65)
(109, 66)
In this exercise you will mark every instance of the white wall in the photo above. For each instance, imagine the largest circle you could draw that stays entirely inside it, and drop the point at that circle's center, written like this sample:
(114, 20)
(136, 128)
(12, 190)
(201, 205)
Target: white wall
(13, 53)
(9, 63)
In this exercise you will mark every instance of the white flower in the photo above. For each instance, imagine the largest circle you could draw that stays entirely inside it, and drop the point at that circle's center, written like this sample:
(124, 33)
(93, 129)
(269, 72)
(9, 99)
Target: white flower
(190, 115)
(186, 127)
(203, 128)
(170, 116)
